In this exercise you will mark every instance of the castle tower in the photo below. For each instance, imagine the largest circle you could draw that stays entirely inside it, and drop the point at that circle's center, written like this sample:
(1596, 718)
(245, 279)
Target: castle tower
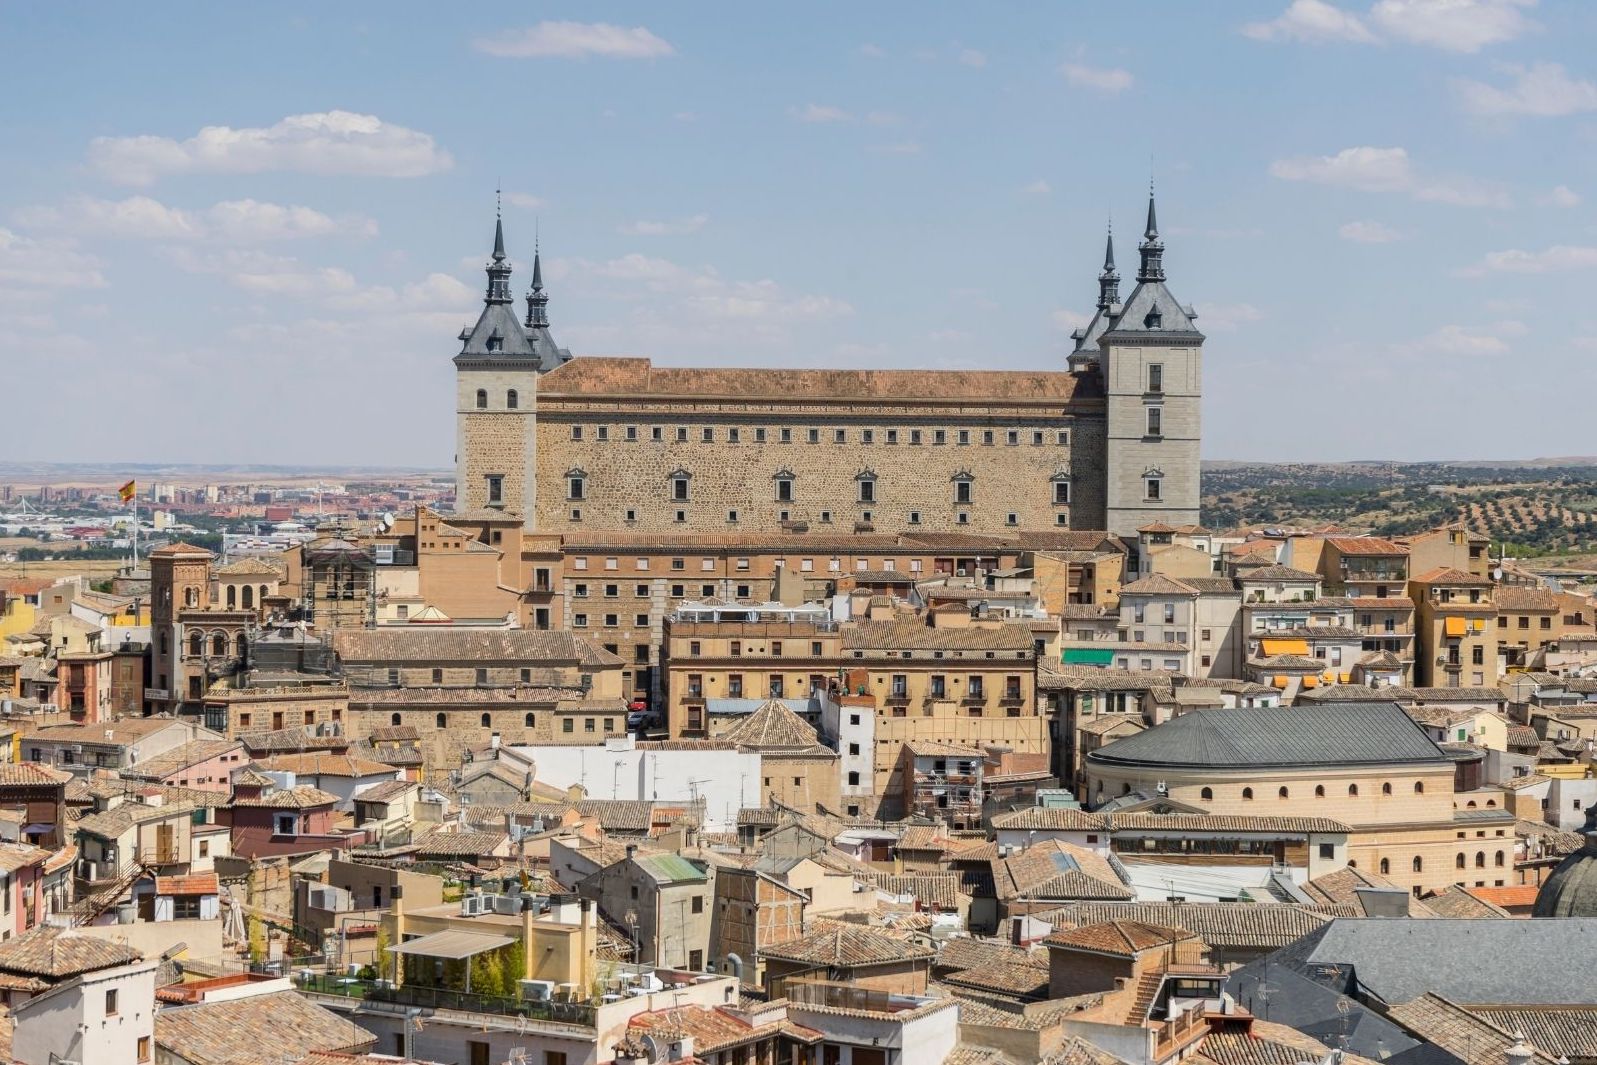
(1152, 364)
(496, 387)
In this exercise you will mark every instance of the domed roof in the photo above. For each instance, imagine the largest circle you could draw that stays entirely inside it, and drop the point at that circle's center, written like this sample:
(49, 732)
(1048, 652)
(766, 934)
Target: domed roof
(1571, 890)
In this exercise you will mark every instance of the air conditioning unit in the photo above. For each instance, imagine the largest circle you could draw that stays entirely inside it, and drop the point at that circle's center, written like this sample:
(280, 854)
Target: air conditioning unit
(537, 990)
(471, 905)
(77, 748)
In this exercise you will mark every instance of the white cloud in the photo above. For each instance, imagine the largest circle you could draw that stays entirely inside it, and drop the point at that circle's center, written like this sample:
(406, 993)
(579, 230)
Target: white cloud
(971, 58)
(1039, 187)
(1370, 169)
(1226, 317)
(526, 201)
(1544, 90)
(819, 113)
(1556, 259)
(1067, 321)
(1560, 196)
(28, 264)
(673, 228)
(1102, 79)
(702, 294)
(331, 142)
(1311, 21)
(1464, 340)
(142, 218)
(1364, 232)
(576, 40)
(1453, 25)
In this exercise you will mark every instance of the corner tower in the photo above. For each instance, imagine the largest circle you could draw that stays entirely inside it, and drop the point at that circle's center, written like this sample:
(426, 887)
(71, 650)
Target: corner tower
(1152, 364)
(496, 391)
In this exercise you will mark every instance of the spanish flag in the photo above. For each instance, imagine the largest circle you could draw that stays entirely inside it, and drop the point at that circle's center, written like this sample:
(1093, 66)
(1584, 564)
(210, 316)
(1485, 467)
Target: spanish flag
(128, 491)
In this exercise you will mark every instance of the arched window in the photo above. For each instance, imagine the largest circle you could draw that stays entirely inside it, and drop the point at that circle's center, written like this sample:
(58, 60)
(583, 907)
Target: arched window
(190, 597)
(196, 644)
(1497, 859)
(1419, 864)
(163, 643)
(218, 645)
(1470, 804)
(487, 721)
(512, 401)
(1282, 793)
(482, 399)
(439, 720)
(1353, 790)
(1386, 866)
(249, 597)
(1419, 787)
(263, 595)
(232, 596)
(393, 719)
(1386, 788)
(1206, 793)
(532, 719)
(1460, 863)
(1480, 859)
(1491, 802)
(1319, 791)
(1247, 794)
(239, 645)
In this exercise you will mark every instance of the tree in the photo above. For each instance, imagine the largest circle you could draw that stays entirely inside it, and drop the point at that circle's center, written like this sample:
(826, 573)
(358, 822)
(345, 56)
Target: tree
(257, 940)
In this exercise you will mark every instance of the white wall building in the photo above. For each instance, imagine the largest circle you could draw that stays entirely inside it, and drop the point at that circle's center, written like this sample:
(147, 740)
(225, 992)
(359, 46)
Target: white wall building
(725, 778)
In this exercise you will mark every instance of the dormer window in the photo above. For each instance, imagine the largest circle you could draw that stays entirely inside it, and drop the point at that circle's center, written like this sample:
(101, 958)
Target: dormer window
(496, 341)
(1153, 319)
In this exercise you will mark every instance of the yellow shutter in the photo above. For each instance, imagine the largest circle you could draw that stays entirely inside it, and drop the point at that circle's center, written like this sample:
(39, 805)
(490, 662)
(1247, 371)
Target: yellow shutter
(1280, 680)
(1285, 647)
(1311, 681)
(1456, 626)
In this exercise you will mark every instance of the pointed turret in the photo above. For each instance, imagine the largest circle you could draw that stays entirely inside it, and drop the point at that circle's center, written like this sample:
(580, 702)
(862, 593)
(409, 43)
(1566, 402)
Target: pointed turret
(1152, 248)
(537, 298)
(1109, 280)
(497, 333)
(499, 268)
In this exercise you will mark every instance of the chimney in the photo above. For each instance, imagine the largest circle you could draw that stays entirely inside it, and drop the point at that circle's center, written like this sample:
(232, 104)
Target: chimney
(529, 912)
(632, 851)
(397, 905)
(493, 741)
(1521, 1053)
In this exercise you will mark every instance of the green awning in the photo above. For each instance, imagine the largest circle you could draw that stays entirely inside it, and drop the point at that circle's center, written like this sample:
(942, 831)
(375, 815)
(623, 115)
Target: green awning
(1088, 656)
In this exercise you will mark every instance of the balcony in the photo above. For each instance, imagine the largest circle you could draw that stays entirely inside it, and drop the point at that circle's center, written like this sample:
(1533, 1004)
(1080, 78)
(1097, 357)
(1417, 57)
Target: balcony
(437, 998)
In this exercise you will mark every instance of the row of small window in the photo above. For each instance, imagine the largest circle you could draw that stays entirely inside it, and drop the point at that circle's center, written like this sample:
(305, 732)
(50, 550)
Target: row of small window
(735, 648)
(733, 517)
(1319, 791)
(707, 565)
(735, 435)
(682, 488)
(529, 720)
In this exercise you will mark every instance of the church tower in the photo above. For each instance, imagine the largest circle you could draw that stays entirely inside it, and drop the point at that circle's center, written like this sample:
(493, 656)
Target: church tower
(1151, 358)
(496, 390)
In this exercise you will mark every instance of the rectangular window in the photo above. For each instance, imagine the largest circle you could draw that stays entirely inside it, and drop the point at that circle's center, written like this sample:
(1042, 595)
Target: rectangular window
(784, 489)
(679, 489)
(576, 432)
(143, 1048)
(496, 488)
(1036, 437)
(964, 436)
(734, 436)
(867, 436)
(1155, 377)
(1012, 437)
(1154, 488)
(707, 435)
(786, 435)
(110, 1003)
(914, 436)
(840, 436)
(814, 436)
(939, 436)
(892, 436)
(1061, 492)
(1155, 421)
(1062, 438)
(867, 490)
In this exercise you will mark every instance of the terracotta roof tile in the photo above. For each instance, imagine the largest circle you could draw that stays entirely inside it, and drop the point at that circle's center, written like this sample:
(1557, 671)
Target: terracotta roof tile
(846, 945)
(57, 953)
(236, 1031)
(1122, 938)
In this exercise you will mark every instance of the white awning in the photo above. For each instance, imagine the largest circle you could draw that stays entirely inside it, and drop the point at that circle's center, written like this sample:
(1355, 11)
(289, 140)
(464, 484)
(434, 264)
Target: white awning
(452, 944)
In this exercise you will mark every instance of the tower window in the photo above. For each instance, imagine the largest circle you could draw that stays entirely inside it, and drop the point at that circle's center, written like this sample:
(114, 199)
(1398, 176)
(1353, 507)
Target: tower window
(482, 399)
(1154, 487)
(962, 490)
(784, 489)
(576, 432)
(867, 489)
(679, 488)
(1061, 491)
(1155, 377)
(496, 488)
(577, 486)
(1155, 421)
(512, 401)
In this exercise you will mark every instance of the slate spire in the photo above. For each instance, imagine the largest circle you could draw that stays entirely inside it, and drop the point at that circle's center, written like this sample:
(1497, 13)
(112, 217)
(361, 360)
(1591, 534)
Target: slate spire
(499, 266)
(1109, 280)
(1152, 248)
(537, 298)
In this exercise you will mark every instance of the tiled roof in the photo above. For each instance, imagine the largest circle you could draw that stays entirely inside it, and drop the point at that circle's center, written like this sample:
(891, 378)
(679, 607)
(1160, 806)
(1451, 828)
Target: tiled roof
(387, 791)
(1122, 938)
(325, 764)
(917, 635)
(1092, 678)
(1456, 902)
(968, 952)
(1507, 895)
(1278, 573)
(123, 731)
(112, 823)
(1452, 577)
(940, 890)
(461, 844)
(30, 774)
(1365, 545)
(1054, 869)
(1247, 925)
(57, 953)
(1454, 1029)
(1157, 584)
(468, 645)
(302, 797)
(716, 1030)
(843, 945)
(14, 856)
(192, 884)
(282, 1025)
(940, 749)
(773, 726)
(1523, 599)
(1020, 978)
(181, 757)
(1569, 1031)
(1050, 818)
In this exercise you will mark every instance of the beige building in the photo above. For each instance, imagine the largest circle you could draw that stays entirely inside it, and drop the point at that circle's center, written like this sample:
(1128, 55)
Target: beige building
(1456, 623)
(565, 444)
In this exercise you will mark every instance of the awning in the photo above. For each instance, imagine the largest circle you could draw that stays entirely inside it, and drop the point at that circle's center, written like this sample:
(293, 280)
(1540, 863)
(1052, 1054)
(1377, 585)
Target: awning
(1088, 656)
(1285, 647)
(1280, 680)
(1456, 626)
(1311, 681)
(452, 944)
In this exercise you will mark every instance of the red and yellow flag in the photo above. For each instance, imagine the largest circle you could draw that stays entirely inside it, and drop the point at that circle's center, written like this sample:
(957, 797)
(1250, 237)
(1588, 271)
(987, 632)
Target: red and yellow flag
(128, 491)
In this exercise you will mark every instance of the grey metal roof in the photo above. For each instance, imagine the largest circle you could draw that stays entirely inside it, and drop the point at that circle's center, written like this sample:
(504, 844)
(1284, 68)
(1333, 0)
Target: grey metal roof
(1337, 734)
(1544, 961)
(1148, 296)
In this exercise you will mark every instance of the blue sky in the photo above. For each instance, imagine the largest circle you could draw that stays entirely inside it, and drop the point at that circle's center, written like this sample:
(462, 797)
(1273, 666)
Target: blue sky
(250, 233)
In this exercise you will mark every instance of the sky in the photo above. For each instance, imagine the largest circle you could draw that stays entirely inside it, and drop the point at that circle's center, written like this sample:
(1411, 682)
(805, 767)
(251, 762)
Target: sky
(251, 233)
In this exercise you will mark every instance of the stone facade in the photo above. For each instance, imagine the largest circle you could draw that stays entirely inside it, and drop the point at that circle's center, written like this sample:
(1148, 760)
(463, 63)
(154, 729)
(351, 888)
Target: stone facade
(571, 446)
